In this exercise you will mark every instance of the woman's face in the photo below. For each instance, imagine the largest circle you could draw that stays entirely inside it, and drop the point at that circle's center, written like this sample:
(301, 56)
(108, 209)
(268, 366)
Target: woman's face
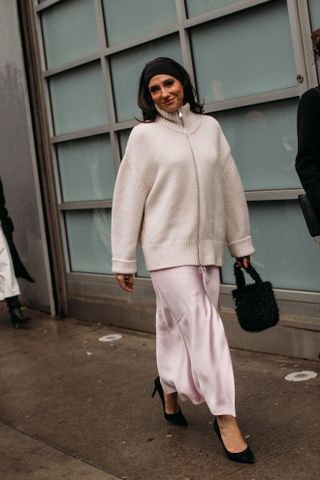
(166, 92)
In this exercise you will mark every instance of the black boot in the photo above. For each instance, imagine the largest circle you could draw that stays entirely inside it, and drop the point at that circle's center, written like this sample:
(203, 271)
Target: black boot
(18, 319)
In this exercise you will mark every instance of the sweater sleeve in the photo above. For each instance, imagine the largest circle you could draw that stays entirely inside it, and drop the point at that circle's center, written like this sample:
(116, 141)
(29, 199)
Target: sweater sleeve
(237, 225)
(127, 212)
(308, 157)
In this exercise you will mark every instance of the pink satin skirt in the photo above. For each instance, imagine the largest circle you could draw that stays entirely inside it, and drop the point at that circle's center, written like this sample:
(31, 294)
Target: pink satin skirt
(193, 355)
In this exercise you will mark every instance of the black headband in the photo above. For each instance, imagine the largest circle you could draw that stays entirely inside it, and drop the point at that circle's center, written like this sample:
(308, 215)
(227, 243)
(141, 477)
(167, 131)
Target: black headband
(161, 67)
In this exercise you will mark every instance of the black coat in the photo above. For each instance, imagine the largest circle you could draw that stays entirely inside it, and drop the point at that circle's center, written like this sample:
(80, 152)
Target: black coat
(308, 158)
(7, 227)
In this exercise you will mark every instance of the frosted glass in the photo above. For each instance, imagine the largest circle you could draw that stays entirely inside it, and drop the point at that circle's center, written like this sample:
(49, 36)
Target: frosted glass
(142, 271)
(78, 99)
(86, 169)
(126, 69)
(126, 19)
(69, 31)
(314, 9)
(285, 253)
(123, 140)
(196, 7)
(263, 141)
(88, 233)
(244, 54)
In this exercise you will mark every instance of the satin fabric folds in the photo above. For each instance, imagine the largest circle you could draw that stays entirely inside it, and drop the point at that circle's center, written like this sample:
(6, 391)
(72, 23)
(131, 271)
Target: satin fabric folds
(193, 355)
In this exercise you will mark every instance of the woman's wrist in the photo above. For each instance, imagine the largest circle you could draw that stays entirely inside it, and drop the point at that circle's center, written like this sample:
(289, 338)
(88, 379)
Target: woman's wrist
(243, 262)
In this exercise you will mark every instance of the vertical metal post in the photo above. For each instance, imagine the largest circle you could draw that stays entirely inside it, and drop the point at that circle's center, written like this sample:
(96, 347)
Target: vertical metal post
(306, 30)
(30, 31)
(184, 39)
(106, 72)
(296, 38)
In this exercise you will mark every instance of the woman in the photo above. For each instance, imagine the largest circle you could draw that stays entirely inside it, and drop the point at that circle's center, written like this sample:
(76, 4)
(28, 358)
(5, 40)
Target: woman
(179, 193)
(10, 267)
(308, 157)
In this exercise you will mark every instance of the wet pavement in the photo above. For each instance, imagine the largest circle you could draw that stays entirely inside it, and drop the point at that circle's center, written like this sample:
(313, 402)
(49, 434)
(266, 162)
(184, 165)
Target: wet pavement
(75, 407)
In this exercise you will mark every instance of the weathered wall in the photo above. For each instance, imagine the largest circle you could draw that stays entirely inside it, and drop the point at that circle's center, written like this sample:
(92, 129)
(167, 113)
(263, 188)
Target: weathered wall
(18, 164)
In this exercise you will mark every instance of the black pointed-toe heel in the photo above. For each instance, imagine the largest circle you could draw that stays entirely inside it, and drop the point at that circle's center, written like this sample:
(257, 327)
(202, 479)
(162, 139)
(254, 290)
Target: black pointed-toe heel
(246, 456)
(176, 418)
(18, 319)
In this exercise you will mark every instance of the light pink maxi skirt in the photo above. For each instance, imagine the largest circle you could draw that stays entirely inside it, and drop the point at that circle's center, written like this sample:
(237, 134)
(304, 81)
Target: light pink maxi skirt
(193, 355)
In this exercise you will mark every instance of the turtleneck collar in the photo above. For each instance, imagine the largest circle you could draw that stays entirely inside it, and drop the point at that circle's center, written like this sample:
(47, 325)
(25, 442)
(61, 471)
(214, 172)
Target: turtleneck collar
(183, 120)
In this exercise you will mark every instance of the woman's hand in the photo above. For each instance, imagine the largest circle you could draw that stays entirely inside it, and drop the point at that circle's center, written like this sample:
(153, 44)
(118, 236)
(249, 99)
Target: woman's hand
(125, 281)
(243, 262)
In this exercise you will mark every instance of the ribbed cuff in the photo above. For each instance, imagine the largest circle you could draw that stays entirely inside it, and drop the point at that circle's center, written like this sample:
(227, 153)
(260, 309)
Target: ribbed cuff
(242, 248)
(124, 266)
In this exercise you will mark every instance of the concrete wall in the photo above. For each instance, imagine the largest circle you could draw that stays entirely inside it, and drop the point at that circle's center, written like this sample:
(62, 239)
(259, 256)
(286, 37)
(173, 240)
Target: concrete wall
(18, 164)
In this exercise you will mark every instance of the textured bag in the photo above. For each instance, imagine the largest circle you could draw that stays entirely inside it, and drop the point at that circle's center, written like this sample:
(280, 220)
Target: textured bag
(255, 304)
(310, 215)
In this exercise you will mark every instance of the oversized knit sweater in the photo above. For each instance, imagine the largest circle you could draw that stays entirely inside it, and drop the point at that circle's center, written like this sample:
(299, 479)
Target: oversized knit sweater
(179, 193)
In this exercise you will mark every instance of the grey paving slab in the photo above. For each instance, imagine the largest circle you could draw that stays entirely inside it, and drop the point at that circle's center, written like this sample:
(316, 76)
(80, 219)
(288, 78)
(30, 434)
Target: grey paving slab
(92, 400)
(300, 461)
(24, 458)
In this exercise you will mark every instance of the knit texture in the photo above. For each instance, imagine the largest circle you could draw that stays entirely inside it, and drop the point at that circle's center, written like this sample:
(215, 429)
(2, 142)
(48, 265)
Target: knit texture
(179, 193)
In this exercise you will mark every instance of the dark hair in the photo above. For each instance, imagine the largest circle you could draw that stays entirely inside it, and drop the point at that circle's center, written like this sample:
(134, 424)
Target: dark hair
(145, 102)
(315, 37)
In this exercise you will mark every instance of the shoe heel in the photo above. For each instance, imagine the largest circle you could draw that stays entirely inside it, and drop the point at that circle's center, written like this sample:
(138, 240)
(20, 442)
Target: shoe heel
(175, 418)
(246, 456)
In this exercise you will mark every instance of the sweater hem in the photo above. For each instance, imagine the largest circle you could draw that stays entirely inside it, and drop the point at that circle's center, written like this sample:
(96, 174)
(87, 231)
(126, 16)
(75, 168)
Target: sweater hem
(177, 254)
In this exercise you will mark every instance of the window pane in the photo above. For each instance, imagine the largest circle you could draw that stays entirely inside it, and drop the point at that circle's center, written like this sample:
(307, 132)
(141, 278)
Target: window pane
(125, 21)
(244, 54)
(126, 69)
(69, 31)
(285, 253)
(78, 99)
(263, 141)
(123, 139)
(196, 7)
(314, 9)
(86, 169)
(142, 271)
(88, 233)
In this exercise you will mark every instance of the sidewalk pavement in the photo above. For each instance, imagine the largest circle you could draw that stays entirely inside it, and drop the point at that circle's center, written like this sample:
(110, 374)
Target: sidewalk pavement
(76, 408)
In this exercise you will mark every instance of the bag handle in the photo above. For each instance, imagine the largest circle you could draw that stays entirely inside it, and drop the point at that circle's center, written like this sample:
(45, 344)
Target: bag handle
(240, 280)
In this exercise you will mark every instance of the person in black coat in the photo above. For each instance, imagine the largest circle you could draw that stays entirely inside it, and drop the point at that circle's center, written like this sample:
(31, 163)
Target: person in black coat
(308, 157)
(9, 252)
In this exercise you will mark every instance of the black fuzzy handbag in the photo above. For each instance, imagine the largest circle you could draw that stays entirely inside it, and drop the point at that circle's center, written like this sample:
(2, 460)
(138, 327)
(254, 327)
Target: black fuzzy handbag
(255, 304)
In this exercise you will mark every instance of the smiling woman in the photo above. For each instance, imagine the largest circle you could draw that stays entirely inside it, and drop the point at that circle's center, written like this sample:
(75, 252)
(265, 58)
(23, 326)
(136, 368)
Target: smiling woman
(157, 89)
(179, 193)
(166, 92)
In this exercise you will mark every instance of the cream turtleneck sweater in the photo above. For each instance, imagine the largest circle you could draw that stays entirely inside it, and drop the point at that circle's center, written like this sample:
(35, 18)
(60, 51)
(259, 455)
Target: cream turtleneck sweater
(179, 193)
